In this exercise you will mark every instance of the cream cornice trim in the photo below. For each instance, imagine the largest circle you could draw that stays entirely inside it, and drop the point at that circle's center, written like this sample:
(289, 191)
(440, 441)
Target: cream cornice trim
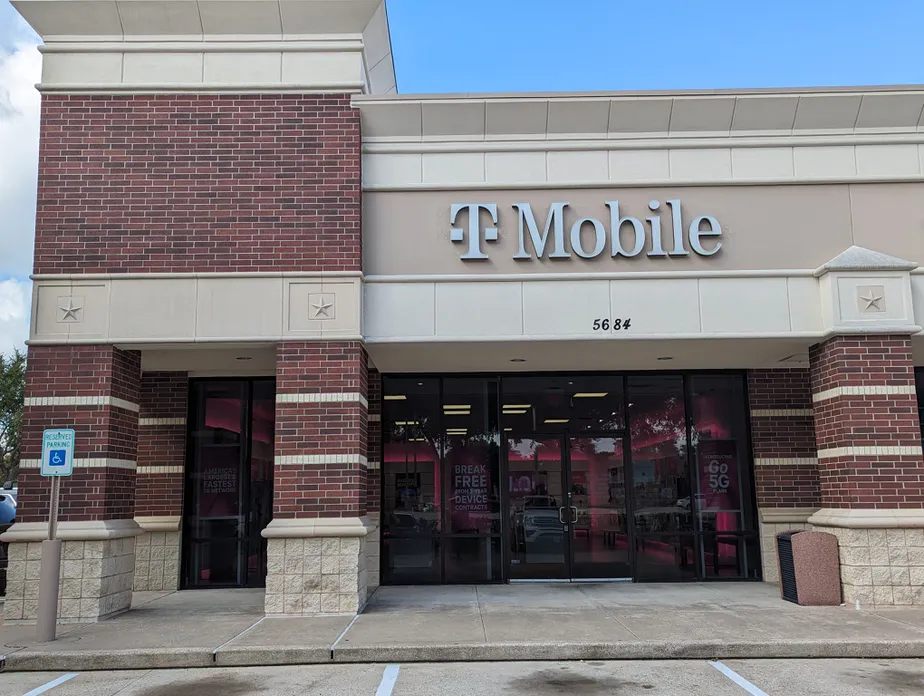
(154, 422)
(786, 515)
(73, 531)
(321, 398)
(781, 412)
(870, 451)
(153, 469)
(262, 45)
(297, 459)
(85, 463)
(625, 275)
(82, 401)
(661, 141)
(868, 519)
(205, 276)
(785, 461)
(194, 88)
(648, 183)
(159, 524)
(320, 527)
(276, 338)
(865, 390)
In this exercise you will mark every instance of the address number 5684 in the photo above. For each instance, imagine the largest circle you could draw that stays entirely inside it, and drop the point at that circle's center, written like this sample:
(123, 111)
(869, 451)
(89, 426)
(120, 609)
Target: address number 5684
(616, 324)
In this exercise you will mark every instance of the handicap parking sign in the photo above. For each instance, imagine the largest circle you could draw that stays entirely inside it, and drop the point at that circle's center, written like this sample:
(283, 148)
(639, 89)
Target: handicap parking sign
(58, 452)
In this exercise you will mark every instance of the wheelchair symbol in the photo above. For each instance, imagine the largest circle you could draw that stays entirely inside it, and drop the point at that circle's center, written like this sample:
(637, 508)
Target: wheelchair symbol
(57, 457)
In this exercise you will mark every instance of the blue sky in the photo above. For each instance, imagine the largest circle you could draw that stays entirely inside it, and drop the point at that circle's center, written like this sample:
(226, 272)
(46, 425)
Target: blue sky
(554, 45)
(528, 45)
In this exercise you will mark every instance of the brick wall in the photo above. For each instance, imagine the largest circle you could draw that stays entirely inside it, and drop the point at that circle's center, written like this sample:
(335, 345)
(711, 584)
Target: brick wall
(161, 443)
(146, 183)
(102, 431)
(374, 438)
(783, 438)
(845, 419)
(322, 418)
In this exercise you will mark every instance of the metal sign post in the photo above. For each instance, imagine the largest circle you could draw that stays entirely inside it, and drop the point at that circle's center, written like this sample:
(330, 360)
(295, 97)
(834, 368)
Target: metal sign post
(57, 461)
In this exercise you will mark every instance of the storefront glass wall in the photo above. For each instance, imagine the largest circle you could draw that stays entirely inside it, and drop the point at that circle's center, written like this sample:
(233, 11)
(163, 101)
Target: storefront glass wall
(229, 482)
(643, 477)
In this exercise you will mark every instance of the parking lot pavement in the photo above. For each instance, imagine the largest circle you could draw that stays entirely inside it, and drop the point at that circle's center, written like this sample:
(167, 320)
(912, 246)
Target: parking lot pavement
(626, 678)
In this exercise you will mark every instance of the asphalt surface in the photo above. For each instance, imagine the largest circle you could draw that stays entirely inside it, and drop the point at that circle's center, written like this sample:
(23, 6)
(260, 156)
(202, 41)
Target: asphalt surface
(680, 677)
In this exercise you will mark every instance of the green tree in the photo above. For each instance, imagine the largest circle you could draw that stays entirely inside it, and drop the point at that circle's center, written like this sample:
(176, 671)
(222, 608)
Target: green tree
(12, 396)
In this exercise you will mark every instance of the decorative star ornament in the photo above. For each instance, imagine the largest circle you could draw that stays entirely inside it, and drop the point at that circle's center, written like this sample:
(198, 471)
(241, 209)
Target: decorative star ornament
(70, 311)
(872, 300)
(322, 308)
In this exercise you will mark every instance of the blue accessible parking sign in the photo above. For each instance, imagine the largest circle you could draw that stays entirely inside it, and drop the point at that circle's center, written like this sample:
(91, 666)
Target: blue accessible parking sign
(58, 452)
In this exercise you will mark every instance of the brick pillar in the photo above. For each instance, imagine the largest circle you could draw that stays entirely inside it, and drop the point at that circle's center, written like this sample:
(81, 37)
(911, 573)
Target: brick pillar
(95, 391)
(785, 464)
(159, 484)
(374, 476)
(316, 541)
(870, 465)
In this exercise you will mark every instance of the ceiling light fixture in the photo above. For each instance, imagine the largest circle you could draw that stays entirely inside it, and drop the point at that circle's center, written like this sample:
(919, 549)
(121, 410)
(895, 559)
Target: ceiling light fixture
(395, 397)
(515, 412)
(517, 405)
(447, 407)
(243, 357)
(557, 420)
(665, 357)
(517, 360)
(590, 395)
(407, 422)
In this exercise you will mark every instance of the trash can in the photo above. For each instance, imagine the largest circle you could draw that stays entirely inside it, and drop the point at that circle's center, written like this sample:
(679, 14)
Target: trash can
(810, 572)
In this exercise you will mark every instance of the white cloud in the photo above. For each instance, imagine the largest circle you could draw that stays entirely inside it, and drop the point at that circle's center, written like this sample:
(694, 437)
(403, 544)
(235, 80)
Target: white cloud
(19, 126)
(14, 314)
(20, 70)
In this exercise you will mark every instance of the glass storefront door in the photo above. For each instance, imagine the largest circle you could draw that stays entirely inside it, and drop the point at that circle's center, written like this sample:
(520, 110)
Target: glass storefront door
(229, 482)
(566, 502)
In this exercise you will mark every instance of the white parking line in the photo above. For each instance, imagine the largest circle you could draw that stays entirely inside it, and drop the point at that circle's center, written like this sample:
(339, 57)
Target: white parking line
(52, 684)
(388, 680)
(738, 679)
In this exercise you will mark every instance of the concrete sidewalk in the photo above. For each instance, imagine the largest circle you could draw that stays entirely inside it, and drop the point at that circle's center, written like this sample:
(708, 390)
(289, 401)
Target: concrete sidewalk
(474, 623)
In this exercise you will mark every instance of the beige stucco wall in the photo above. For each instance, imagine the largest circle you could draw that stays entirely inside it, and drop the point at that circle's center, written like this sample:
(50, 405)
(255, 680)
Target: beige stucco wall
(764, 227)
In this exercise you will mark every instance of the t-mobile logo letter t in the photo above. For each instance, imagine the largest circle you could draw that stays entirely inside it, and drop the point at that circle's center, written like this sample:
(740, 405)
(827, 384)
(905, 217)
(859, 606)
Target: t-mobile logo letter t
(457, 234)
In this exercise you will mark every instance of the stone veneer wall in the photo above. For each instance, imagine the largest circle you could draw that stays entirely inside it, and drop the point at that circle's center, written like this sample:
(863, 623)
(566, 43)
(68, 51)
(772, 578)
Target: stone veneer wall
(157, 561)
(881, 567)
(316, 575)
(96, 580)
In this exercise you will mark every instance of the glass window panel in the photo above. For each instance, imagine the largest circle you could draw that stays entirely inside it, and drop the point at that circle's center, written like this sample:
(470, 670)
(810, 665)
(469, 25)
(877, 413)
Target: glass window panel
(471, 455)
(665, 558)
(472, 559)
(410, 560)
(411, 482)
(215, 563)
(724, 555)
(661, 487)
(720, 449)
(557, 404)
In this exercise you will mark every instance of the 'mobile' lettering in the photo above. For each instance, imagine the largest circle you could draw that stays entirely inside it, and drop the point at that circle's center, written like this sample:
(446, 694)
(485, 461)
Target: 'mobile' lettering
(587, 237)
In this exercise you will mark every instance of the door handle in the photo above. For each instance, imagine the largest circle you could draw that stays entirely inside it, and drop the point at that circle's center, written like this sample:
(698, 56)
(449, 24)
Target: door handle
(574, 515)
(561, 515)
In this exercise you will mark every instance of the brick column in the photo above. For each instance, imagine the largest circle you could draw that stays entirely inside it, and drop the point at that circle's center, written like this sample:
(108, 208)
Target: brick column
(785, 463)
(95, 391)
(870, 465)
(159, 484)
(316, 541)
(374, 476)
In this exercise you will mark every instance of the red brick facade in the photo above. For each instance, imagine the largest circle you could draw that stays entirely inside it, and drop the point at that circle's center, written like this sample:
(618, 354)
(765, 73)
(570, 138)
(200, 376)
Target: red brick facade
(161, 443)
(178, 183)
(374, 445)
(783, 430)
(846, 417)
(321, 412)
(104, 430)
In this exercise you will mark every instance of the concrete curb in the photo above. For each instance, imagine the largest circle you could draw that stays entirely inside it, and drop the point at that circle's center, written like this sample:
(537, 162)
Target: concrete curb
(32, 660)
(89, 660)
(266, 656)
